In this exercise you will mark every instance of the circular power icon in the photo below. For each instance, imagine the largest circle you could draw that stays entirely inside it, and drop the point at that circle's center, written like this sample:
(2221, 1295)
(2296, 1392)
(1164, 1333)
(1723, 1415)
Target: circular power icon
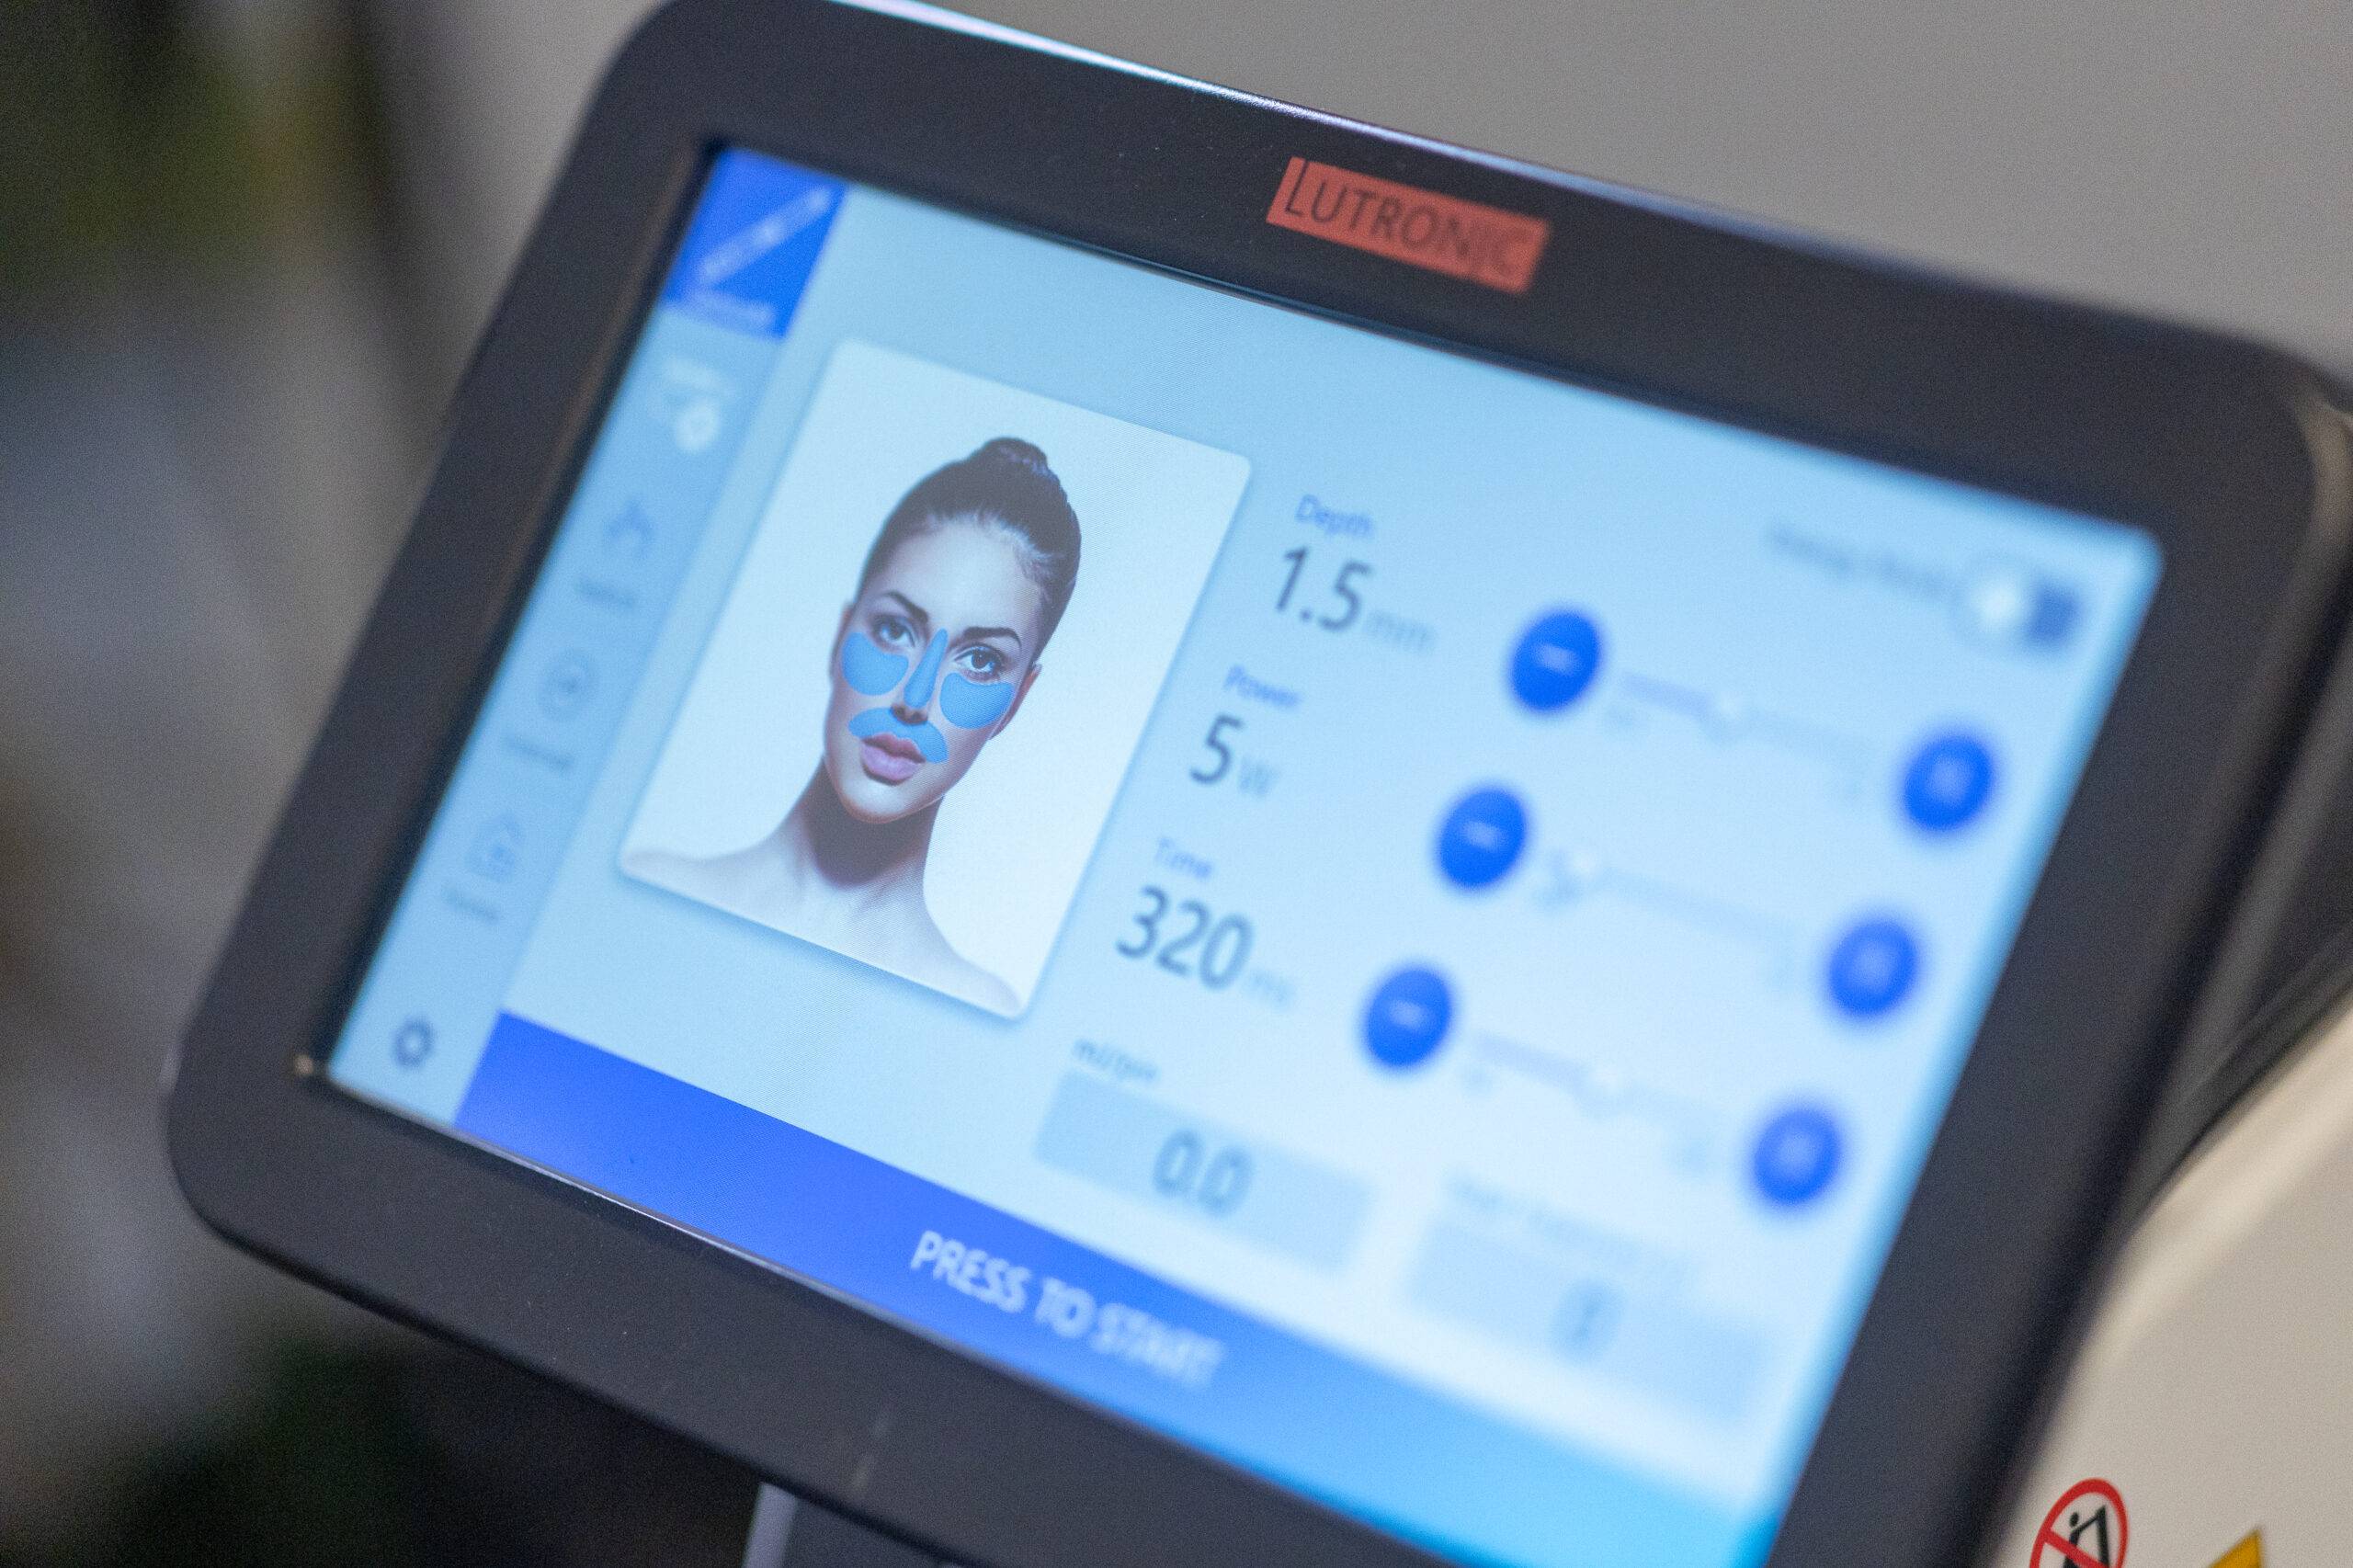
(1408, 1019)
(2086, 1529)
(1481, 837)
(1872, 967)
(1796, 1156)
(1556, 661)
(1948, 783)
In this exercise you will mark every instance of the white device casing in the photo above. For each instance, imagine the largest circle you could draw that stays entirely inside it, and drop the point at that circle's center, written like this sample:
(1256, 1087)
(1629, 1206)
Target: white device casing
(2215, 1387)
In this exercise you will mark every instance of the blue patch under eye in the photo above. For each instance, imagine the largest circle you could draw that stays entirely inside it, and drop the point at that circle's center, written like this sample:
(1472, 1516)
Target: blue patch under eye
(969, 705)
(868, 668)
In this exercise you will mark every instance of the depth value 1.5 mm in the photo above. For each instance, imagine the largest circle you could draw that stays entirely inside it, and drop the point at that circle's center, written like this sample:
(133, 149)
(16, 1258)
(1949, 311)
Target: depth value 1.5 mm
(1339, 603)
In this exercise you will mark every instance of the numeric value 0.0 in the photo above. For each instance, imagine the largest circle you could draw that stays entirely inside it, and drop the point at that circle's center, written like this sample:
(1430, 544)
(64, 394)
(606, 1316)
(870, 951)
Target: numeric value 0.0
(1188, 939)
(1190, 1171)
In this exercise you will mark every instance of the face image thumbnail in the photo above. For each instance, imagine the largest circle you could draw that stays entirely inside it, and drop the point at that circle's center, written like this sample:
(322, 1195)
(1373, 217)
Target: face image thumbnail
(961, 589)
(879, 646)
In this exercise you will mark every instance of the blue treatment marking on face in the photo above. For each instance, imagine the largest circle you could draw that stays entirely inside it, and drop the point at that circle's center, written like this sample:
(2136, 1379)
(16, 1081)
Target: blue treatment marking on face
(925, 738)
(868, 668)
(919, 685)
(969, 705)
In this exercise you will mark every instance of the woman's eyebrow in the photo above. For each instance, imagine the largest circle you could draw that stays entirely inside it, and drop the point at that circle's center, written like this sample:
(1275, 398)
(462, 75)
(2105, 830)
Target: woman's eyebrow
(975, 633)
(912, 608)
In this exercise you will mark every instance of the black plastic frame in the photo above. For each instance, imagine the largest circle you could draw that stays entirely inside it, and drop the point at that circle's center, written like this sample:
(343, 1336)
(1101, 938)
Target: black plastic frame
(2231, 455)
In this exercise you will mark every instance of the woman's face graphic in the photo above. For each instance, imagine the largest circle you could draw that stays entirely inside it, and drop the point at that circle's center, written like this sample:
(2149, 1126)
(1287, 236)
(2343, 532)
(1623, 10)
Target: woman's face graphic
(931, 661)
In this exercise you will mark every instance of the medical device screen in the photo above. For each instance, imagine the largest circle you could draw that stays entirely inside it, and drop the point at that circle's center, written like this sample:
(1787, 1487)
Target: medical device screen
(1403, 923)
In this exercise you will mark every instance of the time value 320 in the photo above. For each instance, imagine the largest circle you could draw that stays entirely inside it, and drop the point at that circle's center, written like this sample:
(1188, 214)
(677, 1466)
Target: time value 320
(1188, 939)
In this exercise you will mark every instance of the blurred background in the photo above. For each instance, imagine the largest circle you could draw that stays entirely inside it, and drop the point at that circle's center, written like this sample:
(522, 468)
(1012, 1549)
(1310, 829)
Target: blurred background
(244, 246)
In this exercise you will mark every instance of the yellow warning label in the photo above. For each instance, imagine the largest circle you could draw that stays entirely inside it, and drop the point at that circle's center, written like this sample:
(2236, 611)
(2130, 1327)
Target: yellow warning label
(2247, 1553)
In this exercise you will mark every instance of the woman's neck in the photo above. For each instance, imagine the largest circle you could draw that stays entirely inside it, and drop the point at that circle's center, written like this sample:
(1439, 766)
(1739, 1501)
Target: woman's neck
(871, 864)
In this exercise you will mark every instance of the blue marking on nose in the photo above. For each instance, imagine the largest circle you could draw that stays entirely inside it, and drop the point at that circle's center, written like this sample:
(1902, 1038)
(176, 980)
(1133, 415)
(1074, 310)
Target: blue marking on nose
(868, 668)
(925, 738)
(919, 685)
(970, 705)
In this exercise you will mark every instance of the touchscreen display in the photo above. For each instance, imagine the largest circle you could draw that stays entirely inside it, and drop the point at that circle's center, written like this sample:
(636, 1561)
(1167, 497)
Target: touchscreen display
(1403, 923)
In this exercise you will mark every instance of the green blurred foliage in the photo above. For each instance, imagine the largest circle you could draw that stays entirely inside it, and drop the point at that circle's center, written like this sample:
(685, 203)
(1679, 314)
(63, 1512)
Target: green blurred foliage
(130, 134)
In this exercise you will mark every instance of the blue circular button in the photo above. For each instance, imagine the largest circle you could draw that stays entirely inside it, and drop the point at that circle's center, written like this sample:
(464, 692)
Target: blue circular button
(1556, 660)
(1408, 1019)
(1481, 837)
(1872, 967)
(1949, 781)
(1796, 1156)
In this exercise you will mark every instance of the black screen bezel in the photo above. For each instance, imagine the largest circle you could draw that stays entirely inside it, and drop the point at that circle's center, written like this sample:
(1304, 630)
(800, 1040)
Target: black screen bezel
(2219, 450)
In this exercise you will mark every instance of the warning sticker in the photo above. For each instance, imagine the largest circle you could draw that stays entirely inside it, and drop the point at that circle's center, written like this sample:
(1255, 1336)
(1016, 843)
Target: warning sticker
(2086, 1529)
(2247, 1553)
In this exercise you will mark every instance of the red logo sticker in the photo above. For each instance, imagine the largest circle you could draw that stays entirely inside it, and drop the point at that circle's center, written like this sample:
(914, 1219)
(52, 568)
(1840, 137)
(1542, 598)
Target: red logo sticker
(2086, 1529)
(1422, 228)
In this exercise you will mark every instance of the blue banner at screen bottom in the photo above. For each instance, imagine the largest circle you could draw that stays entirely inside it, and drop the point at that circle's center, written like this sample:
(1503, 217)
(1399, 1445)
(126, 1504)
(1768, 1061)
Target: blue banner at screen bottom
(1359, 1439)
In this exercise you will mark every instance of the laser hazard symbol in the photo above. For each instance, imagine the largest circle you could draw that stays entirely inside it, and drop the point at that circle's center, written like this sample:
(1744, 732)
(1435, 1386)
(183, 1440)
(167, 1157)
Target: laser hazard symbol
(2086, 1529)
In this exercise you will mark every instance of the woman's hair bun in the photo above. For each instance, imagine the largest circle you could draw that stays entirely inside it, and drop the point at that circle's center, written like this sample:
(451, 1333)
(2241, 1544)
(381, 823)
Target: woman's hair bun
(1014, 449)
(1008, 485)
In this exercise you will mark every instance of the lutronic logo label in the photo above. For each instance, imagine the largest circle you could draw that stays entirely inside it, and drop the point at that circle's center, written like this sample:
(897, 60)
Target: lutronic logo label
(1443, 233)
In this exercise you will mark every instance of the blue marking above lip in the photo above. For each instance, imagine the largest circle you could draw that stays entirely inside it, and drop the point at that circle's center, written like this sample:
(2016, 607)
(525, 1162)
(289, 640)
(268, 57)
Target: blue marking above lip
(925, 738)
(972, 705)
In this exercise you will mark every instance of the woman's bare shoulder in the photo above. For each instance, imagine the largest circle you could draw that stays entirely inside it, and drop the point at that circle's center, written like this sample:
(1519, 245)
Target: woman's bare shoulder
(709, 877)
(970, 982)
(659, 865)
(996, 994)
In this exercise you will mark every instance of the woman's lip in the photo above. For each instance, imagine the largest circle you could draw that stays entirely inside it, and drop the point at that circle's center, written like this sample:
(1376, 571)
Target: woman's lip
(889, 759)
